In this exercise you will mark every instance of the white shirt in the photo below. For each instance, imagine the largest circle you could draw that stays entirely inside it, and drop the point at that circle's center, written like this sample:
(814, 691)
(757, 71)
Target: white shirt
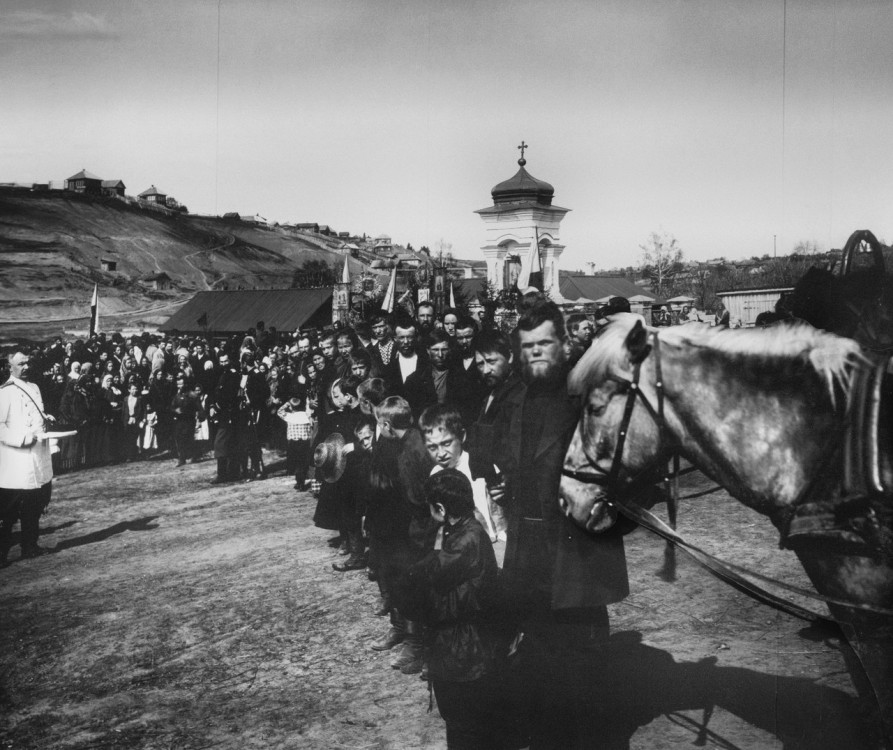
(22, 467)
(408, 365)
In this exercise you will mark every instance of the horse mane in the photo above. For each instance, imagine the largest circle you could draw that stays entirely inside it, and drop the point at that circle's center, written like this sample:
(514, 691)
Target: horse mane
(833, 358)
(605, 356)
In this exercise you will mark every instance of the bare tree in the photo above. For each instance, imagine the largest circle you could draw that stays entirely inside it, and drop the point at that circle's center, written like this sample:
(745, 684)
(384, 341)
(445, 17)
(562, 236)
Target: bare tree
(661, 262)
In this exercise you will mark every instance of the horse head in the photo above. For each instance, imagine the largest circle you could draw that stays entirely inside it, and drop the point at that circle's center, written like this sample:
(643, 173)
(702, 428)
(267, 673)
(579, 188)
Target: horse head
(616, 443)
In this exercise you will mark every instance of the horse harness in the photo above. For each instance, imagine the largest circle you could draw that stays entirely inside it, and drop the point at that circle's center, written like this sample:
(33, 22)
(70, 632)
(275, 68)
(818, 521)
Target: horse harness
(740, 577)
(857, 464)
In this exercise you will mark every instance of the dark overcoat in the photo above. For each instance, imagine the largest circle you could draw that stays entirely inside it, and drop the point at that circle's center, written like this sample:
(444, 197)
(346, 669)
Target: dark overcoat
(550, 560)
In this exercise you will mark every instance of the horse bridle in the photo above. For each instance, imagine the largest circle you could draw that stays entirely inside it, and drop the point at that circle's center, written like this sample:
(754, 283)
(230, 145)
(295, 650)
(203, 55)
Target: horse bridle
(733, 574)
(634, 395)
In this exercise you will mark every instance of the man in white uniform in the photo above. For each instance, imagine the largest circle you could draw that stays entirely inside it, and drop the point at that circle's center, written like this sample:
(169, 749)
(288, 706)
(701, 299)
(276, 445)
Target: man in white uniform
(26, 469)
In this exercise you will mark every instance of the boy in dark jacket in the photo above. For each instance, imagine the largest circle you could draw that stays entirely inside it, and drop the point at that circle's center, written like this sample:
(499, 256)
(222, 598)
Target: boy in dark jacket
(454, 588)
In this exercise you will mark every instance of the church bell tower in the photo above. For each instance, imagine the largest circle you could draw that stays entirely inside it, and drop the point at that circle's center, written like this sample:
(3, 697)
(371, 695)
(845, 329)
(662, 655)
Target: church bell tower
(522, 231)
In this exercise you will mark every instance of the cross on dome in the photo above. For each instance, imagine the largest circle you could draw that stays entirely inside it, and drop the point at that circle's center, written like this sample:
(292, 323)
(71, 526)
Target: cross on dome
(522, 161)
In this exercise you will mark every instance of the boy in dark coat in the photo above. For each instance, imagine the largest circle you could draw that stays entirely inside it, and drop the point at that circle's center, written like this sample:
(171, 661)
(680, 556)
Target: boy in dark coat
(454, 588)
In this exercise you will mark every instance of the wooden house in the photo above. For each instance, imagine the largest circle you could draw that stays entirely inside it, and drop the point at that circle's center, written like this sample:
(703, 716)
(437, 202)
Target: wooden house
(158, 281)
(113, 187)
(154, 195)
(84, 182)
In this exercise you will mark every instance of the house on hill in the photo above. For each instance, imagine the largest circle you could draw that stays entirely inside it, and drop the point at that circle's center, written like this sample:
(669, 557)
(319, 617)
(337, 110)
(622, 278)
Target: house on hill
(307, 227)
(154, 195)
(226, 313)
(158, 281)
(113, 187)
(383, 245)
(84, 182)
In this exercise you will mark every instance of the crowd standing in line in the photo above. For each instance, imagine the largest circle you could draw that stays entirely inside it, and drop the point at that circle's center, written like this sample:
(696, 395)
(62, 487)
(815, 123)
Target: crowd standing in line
(426, 442)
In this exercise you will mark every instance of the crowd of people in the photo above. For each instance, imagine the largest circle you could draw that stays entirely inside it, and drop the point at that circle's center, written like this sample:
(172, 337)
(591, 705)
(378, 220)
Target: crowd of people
(427, 440)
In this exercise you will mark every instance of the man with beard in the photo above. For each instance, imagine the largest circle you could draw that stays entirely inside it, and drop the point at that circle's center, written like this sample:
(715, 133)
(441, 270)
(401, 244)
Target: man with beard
(26, 470)
(558, 577)
(424, 320)
(505, 392)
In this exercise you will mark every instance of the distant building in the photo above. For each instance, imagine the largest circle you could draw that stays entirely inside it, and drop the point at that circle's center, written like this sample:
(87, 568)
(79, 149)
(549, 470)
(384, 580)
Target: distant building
(113, 187)
(232, 216)
(522, 232)
(257, 220)
(382, 245)
(307, 227)
(58, 184)
(158, 281)
(108, 265)
(745, 304)
(84, 182)
(226, 313)
(154, 195)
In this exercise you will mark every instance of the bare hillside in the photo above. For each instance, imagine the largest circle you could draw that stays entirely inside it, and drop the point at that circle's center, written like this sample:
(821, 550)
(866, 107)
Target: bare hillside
(52, 248)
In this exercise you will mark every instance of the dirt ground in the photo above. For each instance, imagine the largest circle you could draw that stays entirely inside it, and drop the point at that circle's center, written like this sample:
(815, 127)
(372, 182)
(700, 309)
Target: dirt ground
(176, 614)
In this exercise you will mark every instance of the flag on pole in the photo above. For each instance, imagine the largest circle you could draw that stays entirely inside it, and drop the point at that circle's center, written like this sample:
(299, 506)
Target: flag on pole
(536, 264)
(388, 304)
(345, 275)
(94, 311)
(532, 272)
(452, 296)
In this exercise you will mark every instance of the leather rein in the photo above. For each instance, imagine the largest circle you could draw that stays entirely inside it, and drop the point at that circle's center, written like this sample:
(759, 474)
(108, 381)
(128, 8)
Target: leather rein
(742, 578)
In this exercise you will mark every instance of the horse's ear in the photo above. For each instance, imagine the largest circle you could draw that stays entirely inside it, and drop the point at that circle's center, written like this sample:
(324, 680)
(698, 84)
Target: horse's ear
(637, 343)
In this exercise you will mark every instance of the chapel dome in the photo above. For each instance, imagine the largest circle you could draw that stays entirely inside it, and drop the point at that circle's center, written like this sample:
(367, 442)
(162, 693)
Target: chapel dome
(523, 188)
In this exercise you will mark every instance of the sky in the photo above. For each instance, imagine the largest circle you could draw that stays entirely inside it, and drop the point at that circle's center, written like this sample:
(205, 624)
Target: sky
(740, 128)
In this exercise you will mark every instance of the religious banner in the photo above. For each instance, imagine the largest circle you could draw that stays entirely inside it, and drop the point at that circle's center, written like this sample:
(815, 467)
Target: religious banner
(341, 303)
(439, 284)
(423, 295)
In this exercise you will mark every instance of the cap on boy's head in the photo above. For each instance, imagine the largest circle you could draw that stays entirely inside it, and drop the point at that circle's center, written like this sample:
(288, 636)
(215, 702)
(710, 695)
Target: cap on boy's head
(451, 489)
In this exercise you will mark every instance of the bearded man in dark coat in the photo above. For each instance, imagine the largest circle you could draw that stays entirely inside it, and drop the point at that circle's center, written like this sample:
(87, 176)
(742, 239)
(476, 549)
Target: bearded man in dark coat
(558, 577)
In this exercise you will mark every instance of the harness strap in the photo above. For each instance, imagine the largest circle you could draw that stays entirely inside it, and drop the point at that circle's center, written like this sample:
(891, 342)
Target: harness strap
(739, 576)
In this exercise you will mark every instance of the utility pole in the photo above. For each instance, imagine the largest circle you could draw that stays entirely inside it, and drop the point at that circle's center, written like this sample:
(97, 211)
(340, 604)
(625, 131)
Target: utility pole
(774, 253)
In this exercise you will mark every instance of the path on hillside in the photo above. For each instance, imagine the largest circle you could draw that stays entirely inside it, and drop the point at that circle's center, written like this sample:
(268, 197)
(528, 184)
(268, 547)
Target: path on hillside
(229, 242)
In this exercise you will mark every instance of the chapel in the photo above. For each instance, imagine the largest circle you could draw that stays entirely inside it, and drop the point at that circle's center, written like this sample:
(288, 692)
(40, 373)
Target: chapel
(522, 232)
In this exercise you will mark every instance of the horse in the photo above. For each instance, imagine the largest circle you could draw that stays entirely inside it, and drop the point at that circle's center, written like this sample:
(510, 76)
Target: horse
(764, 413)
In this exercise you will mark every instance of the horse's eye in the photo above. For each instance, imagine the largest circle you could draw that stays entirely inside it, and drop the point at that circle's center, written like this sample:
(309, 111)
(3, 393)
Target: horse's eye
(595, 410)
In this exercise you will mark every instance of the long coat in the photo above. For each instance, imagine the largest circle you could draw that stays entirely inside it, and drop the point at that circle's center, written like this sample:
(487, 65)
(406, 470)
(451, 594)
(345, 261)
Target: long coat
(551, 561)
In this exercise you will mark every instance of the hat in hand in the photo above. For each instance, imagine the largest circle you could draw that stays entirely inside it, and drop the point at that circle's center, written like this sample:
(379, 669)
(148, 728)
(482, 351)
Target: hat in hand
(329, 458)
